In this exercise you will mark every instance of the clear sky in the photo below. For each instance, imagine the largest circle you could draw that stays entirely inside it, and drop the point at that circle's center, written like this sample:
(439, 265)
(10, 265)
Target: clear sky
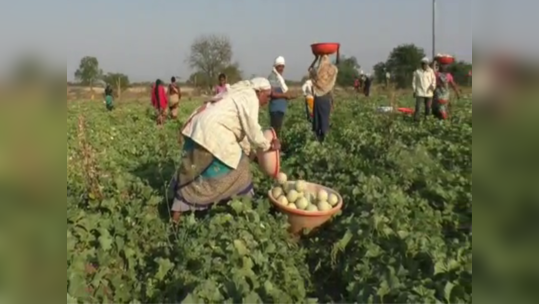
(147, 39)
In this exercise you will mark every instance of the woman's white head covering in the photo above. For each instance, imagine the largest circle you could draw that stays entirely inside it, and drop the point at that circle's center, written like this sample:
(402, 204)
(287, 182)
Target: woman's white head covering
(279, 61)
(257, 84)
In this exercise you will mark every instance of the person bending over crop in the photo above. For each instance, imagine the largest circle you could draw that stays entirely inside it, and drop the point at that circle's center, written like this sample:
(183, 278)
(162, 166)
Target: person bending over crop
(279, 96)
(324, 78)
(174, 95)
(217, 140)
(423, 83)
(109, 99)
(159, 100)
(442, 94)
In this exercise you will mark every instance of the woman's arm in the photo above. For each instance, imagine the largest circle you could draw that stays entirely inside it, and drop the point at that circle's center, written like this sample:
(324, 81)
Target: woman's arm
(279, 95)
(454, 86)
(248, 116)
(314, 62)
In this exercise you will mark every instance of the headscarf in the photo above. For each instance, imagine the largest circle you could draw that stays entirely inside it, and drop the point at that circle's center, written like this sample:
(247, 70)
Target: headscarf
(256, 84)
(280, 61)
(325, 78)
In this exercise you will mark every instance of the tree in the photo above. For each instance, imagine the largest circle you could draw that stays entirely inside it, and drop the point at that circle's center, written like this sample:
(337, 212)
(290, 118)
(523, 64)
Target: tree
(210, 55)
(460, 70)
(117, 80)
(88, 72)
(348, 71)
(380, 70)
(233, 73)
(402, 62)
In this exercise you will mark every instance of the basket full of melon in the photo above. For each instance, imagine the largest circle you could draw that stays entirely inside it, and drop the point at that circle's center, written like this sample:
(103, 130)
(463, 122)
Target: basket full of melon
(307, 205)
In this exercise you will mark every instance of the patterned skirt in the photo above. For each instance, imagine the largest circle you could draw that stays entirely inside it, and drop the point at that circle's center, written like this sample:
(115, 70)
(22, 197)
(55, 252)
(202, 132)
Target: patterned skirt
(202, 180)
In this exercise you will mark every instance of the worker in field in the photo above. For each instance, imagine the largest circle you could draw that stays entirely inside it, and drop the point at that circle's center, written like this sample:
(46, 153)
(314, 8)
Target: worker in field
(159, 101)
(367, 83)
(174, 95)
(308, 94)
(217, 142)
(387, 79)
(280, 95)
(357, 84)
(109, 99)
(423, 84)
(442, 95)
(223, 85)
(324, 78)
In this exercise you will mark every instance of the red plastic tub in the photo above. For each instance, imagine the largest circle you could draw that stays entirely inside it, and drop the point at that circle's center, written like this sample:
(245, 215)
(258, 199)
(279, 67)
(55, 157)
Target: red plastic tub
(406, 110)
(446, 59)
(327, 48)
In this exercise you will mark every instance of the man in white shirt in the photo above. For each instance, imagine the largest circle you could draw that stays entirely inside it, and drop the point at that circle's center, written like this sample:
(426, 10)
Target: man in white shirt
(424, 84)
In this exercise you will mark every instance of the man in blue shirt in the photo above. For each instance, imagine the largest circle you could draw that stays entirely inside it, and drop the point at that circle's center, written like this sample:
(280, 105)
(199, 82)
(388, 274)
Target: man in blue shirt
(279, 96)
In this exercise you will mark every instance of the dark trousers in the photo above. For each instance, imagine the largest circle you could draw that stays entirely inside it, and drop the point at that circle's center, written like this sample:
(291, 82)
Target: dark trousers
(276, 122)
(427, 102)
(322, 113)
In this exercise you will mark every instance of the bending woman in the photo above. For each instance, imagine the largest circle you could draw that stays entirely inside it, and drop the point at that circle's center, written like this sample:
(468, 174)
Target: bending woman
(323, 78)
(218, 136)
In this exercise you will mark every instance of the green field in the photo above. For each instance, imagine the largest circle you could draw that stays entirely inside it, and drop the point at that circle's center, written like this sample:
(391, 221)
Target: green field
(404, 235)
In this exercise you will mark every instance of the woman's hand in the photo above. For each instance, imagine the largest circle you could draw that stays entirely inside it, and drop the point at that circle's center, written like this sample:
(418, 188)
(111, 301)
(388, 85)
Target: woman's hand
(275, 145)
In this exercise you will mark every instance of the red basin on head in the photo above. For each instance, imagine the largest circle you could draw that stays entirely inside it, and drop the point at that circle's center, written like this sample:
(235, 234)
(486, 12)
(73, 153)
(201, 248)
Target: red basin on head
(446, 60)
(326, 48)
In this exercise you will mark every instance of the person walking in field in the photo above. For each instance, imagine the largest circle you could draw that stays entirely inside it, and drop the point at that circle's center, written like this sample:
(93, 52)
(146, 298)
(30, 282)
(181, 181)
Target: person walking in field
(357, 84)
(324, 78)
(367, 82)
(223, 85)
(387, 79)
(159, 100)
(442, 94)
(423, 84)
(217, 142)
(280, 95)
(308, 94)
(109, 99)
(174, 95)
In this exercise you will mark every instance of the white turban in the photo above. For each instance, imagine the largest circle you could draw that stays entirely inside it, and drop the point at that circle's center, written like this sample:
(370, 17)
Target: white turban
(279, 61)
(425, 60)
